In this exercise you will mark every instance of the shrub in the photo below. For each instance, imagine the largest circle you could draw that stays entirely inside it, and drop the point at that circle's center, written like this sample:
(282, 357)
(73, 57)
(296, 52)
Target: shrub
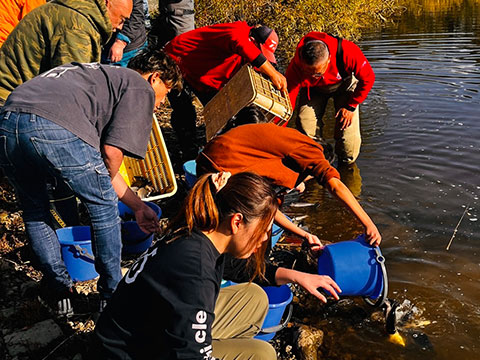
(292, 19)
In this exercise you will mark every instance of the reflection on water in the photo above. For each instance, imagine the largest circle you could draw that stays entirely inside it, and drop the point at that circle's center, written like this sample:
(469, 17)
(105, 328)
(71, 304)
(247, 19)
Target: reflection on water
(419, 171)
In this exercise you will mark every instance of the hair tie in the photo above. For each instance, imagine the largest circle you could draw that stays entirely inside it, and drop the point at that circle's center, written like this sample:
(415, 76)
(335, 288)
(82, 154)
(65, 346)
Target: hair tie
(220, 179)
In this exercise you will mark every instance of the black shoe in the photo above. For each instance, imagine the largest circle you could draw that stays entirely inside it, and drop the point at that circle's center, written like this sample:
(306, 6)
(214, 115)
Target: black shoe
(60, 303)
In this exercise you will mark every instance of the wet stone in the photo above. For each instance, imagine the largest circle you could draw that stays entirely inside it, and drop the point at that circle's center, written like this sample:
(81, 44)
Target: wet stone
(309, 340)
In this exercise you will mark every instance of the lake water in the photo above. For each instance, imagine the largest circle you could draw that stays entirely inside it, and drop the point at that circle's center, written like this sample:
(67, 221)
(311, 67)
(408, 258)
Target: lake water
(417, 173)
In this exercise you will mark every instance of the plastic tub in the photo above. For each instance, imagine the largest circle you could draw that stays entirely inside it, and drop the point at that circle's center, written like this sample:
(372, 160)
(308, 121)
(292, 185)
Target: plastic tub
(134, 240)
(77, 254)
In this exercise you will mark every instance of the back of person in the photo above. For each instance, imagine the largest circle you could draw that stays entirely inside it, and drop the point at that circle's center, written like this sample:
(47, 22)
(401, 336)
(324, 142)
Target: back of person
(51, 35)
(211, 55)
(100, 93)
(11, 12)
(127, 334)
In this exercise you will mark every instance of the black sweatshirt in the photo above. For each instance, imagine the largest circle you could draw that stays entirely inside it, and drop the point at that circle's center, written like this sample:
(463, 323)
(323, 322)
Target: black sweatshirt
(163, 307)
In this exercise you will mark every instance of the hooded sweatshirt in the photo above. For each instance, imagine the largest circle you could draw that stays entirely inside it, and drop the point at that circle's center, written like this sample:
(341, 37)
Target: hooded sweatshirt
(57, 33)
(354, 61)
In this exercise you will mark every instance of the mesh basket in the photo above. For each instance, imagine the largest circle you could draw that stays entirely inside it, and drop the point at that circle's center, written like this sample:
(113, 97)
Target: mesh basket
(246, 88)
(156, 168)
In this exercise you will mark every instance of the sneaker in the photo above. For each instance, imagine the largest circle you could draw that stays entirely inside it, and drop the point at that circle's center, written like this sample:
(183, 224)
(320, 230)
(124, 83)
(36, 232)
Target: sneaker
(59, 303)
(64, 308)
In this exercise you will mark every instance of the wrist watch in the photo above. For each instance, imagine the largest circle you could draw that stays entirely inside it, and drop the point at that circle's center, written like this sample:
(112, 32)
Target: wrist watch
(349, 108)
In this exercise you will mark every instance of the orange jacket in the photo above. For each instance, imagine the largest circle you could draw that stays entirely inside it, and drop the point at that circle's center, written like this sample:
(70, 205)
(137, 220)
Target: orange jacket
(278, 153)
(11, 12)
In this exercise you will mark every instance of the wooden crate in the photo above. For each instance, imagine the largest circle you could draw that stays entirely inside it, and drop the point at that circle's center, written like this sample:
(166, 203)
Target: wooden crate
(156, 167)
(246, 88)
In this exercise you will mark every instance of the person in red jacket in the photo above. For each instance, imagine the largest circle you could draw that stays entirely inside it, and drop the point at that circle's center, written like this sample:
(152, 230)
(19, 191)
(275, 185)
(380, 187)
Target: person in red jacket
(208, 58)
(325, 66)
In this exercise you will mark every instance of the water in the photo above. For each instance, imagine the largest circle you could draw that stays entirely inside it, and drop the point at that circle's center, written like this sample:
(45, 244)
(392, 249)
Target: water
(417, 173)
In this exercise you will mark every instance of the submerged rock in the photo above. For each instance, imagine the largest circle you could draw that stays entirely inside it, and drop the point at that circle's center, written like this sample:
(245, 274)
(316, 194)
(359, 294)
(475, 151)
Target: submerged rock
(308, 341)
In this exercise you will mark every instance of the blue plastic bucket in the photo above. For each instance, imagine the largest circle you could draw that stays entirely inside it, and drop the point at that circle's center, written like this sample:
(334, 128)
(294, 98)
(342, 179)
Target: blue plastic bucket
(355, 266)
(190, 169)
(278, 299)
(134, 240)
(77, 254)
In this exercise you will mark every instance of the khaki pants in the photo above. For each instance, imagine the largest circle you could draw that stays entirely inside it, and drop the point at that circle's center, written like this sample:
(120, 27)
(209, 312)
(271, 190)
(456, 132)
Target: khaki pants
(309, 112)
(239, 314)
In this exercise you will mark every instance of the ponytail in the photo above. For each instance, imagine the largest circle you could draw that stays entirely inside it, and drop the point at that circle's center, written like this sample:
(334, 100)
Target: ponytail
(246, 193)
(200, 208)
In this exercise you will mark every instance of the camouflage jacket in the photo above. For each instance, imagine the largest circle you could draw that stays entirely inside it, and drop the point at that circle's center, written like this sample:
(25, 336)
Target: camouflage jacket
(57, 33)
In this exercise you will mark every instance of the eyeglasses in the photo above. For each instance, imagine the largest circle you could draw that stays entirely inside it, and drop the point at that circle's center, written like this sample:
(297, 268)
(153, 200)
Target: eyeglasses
(318, 71)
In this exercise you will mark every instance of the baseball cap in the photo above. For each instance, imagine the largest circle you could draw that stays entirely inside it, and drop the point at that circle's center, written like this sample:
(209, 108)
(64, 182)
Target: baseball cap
(267, 39)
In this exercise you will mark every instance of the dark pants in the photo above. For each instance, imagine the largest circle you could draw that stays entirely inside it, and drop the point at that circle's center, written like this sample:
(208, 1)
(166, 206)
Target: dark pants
(184, 118)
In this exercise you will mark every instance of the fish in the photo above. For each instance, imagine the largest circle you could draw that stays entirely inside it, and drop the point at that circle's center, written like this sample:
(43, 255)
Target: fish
(299, 218)
(302, 204)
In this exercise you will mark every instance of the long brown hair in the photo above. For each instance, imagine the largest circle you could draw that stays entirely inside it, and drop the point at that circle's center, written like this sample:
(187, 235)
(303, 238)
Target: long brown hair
(246, 193)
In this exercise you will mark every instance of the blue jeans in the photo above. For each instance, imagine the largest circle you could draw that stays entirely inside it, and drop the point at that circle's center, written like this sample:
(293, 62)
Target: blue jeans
(33, 151)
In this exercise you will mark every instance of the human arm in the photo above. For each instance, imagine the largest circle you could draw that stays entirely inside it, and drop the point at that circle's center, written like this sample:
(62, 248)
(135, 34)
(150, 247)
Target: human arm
(132, 35)
(339, 190)
(115, 53)
(278, 80)
(310, 282)
(145, 216)
(357, 64)
(282, 221)
(345, 117)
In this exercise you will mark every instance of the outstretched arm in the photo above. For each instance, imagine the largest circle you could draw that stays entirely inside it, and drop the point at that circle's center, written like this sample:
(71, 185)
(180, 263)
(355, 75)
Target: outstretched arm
(310, 282)
(145, 216)
(282, 221)
(338, 188)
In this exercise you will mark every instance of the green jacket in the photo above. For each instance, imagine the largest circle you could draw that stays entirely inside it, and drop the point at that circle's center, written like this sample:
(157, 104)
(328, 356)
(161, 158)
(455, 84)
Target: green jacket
(53, 34)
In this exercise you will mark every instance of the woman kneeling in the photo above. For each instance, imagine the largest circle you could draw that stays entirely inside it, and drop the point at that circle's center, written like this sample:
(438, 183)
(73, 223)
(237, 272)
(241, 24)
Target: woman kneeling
(170, 305)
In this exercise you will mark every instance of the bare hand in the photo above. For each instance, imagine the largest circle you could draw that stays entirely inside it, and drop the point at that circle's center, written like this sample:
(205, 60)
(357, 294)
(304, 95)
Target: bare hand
(300, 187)
(311, 283)
(314, 241)
(147, 219)
(345, 117)
(116, 51)
(373, 236)
(279, 81)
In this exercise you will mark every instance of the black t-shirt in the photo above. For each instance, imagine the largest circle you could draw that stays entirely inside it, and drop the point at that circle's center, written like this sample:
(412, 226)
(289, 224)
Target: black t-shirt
(164, 306)
(100, 104)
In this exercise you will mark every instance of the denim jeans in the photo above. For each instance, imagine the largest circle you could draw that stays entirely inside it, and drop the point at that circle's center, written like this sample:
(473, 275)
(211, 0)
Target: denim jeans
(33, 151)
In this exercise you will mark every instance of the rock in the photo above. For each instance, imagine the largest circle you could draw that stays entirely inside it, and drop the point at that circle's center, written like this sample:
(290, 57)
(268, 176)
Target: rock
(308, 341)
(30, 340)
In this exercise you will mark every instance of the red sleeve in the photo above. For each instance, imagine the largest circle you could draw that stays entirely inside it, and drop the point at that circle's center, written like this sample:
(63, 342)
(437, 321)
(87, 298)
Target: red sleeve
(356, 62)
(294, 80)
(242, 45)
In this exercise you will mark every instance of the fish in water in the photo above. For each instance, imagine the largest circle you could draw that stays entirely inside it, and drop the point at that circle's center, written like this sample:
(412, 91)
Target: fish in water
(302, 204)
(299, 218)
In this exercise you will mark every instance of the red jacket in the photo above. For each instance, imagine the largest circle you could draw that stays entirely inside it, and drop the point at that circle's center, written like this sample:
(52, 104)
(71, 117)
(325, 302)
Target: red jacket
(278, 153)
(354, 61)
(209, 56)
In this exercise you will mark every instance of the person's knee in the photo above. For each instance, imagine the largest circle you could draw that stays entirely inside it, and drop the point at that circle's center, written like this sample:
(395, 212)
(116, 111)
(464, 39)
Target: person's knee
(261, 350)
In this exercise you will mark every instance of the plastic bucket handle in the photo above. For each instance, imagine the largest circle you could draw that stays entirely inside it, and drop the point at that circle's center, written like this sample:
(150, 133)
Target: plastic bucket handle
(273, 329)
(381, 260)
(84, 252)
